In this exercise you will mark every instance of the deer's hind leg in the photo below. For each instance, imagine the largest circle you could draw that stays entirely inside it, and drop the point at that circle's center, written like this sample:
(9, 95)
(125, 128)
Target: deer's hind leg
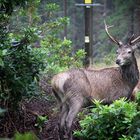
(74, 107)
(63, 114)
(62, 119)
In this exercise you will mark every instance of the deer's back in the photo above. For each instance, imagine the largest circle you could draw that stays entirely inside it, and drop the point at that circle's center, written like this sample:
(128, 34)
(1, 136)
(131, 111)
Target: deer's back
(106, 84)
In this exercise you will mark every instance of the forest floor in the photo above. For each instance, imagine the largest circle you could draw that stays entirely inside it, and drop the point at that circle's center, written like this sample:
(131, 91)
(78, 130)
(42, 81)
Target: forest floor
(26, 119)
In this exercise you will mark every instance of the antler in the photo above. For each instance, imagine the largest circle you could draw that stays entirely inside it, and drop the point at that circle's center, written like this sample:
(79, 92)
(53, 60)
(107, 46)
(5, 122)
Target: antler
(111, 37)
(135, 40)
(130, 39)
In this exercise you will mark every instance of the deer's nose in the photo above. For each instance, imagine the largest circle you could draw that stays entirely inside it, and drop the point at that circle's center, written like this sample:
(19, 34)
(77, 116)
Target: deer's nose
(118, 61)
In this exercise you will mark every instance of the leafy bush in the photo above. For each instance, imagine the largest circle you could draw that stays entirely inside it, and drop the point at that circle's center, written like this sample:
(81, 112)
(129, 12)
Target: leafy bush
(26, 136)
(20, 62)
(108, 58)
(59, 52)
(138, 100)
(109, 122)
(20, 67)
(59, 55)
(135, 127)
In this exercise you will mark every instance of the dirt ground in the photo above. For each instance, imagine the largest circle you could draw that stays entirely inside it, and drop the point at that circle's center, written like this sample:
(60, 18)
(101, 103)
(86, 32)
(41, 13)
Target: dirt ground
(26, 118)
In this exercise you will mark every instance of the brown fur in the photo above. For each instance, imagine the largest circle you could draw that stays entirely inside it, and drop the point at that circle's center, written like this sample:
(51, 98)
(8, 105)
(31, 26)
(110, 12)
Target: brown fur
(76, 87)
(136, 90)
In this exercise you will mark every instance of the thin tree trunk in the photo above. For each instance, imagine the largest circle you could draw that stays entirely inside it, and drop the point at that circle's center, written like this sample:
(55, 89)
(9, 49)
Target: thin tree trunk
(137, 17)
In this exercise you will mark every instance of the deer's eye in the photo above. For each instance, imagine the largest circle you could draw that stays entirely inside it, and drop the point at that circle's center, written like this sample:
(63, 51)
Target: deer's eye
(117, 52)
(129, 51)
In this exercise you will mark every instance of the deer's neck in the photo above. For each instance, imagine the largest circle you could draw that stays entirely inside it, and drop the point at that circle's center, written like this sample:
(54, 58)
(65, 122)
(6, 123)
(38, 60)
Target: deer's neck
(131, 73)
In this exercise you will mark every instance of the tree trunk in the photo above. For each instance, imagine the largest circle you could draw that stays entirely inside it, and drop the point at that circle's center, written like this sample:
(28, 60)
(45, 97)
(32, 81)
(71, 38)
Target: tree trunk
(137, 17)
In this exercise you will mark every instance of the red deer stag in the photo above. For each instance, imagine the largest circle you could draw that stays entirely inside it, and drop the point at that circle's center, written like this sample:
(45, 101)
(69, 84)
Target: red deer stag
(136, 90)
(76, 87)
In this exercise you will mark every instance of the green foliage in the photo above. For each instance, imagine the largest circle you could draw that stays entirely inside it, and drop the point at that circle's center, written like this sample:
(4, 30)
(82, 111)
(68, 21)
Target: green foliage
(52, 7)
(19, 66)
(2, 111)
(59, 55)
(109, 122)
(21, 62)
(40, 121)
(26, 136)
(20, 70)
(58, 51)
(135, 127)
(138, 99)
(7, 6)
(108, 58)
(126, 138)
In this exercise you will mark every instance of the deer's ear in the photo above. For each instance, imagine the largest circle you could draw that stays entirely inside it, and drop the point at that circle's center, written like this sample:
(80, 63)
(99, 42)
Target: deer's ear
(134, 47)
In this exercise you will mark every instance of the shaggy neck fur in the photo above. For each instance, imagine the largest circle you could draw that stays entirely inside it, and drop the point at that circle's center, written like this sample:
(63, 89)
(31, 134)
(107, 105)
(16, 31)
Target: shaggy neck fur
(131, 73)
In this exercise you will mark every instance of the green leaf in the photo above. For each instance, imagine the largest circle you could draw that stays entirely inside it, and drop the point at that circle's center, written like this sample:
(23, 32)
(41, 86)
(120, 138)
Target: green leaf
(1, 62)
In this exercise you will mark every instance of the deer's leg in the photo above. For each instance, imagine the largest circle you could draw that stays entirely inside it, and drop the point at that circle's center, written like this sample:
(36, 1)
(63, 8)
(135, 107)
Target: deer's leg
(56, 94)
(74, 107)
(62, 119)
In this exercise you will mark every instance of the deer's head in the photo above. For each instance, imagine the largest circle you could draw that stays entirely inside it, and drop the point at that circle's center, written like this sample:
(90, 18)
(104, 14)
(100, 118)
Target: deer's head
(125, 52)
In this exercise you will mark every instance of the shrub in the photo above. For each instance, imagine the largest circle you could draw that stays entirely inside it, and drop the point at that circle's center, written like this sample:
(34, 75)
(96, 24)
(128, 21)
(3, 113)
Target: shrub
(20, 69)
(108, 122)
(59, 55)
(26, 136)
(21, 63)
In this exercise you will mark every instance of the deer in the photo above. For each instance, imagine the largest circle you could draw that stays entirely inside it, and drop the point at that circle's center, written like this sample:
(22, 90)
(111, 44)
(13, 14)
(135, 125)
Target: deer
(137, 88)
(135, 91)
(76, 88)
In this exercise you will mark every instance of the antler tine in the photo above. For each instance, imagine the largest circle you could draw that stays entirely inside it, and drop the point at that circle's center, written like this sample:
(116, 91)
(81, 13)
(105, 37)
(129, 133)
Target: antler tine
(111, 37)
(135, 40)
(130, 39)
